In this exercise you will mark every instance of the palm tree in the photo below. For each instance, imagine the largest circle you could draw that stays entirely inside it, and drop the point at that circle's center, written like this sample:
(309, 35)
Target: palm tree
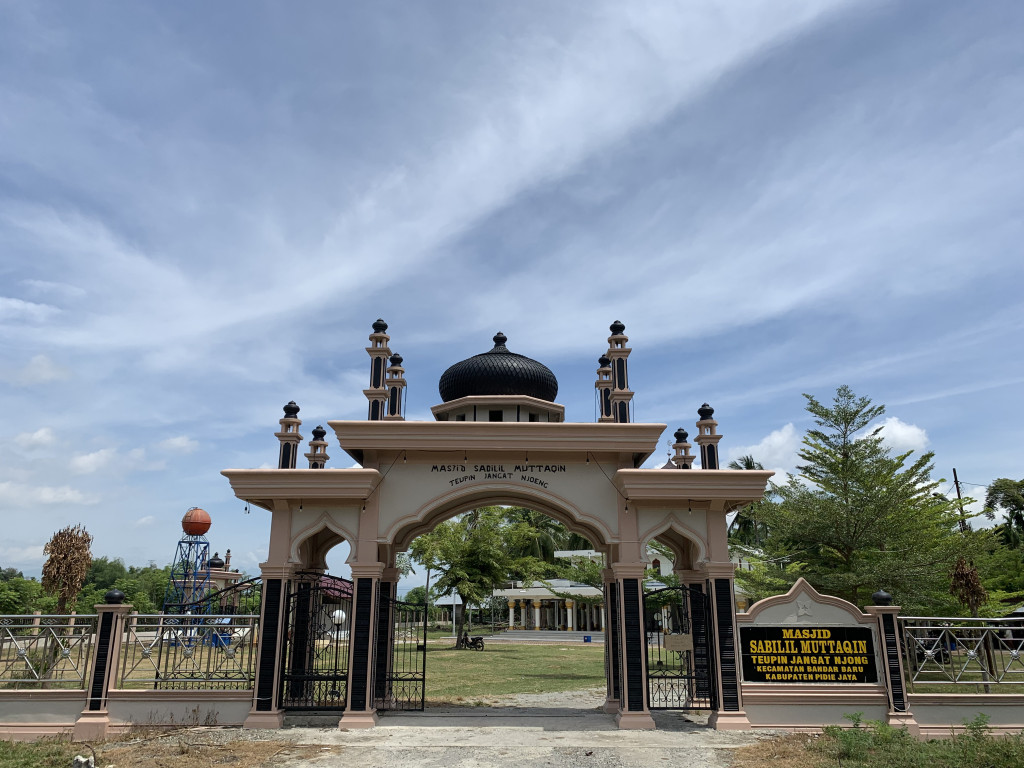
(745, 527)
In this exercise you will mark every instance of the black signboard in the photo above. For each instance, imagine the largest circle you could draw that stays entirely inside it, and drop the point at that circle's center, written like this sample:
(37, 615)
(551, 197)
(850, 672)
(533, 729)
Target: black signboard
(808, 655)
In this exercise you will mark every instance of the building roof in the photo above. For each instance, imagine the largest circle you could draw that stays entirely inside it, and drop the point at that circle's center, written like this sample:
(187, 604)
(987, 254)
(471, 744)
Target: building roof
(498, 372)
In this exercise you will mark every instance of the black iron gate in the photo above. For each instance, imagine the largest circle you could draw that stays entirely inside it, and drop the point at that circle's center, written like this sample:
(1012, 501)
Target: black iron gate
(314, 660)
(400, 653)
(680, 653)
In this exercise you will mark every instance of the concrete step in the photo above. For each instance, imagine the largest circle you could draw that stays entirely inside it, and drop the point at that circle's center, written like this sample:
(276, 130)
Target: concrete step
(544, 636)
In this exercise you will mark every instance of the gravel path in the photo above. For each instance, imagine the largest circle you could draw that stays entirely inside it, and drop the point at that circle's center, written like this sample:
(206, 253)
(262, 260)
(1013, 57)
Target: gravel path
(561, 729)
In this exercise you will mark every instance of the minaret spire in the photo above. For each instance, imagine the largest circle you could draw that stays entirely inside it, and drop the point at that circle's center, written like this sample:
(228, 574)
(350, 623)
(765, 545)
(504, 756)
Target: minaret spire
(604, 389)
(317, 455)
(379, 353)
(707, 437)
(620, 396)
(394, 382)
(289, 436)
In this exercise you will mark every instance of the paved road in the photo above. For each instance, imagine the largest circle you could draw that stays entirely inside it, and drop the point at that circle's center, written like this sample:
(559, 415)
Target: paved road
(499, 737)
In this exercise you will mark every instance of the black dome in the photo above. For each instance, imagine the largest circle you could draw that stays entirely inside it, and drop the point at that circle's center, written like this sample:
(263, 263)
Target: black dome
(498, 372)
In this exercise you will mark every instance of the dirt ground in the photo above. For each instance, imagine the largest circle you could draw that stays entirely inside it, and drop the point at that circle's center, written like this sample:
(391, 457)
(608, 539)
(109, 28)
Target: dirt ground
(554, 729)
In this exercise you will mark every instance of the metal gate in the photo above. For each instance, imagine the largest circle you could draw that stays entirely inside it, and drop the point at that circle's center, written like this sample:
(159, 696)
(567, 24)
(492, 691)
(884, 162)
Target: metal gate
(680, 653)
(400, 654)
(314, 661)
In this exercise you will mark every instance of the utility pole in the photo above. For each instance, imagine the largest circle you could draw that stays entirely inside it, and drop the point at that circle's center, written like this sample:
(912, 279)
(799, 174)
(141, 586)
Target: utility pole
(960, 499)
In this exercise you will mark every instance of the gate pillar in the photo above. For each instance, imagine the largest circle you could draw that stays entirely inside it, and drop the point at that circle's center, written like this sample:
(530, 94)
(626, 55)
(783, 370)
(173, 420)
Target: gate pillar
(730, 714)
(634, 711)
(359, 710)
(384, 637)
(266, 709)
(612, 647)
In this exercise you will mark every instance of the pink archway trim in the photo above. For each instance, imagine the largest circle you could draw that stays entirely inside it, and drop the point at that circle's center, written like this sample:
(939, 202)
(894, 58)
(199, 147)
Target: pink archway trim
(671, 522)
(446, 505)
(803, 588)
(325, 521)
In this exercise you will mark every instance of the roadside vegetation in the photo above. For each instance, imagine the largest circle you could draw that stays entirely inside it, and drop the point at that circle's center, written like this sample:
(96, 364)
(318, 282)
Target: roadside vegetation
(873, 744)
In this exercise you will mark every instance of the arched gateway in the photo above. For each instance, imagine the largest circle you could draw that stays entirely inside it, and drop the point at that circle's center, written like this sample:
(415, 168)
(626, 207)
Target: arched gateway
(498, 438)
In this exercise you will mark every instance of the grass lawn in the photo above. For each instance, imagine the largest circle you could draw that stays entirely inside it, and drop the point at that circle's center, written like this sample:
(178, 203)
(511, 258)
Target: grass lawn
(460, 676)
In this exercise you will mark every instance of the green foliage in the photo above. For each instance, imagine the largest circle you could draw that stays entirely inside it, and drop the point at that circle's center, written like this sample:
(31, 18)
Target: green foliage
(473, 552)
(860, 518)
(38, 754)
(1007, 496)
(6, 574)
(874, 744)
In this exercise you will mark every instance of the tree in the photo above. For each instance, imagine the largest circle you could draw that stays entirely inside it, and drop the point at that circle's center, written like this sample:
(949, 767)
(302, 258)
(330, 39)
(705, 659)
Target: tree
(860, 518)
(68, 564)
(471, 553)
(1007, 496)
(748, 527)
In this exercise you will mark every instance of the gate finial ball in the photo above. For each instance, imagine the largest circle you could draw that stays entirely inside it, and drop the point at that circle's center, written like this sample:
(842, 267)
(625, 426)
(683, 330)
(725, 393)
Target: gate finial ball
(196, 522)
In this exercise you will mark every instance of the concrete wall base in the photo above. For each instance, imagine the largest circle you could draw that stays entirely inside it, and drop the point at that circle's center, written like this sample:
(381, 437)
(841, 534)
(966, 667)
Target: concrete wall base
(611, 706)
(273, 719)
(729, 721)
(92, 726)
(34, 731)
(358, 720)
(635, 721)
(905, 720)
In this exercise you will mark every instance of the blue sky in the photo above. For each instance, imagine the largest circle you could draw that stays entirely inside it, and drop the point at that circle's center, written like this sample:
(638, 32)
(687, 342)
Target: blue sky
(203, 208)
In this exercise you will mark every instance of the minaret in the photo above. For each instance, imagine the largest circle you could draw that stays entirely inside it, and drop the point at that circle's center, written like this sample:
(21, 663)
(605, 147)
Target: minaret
(395, 384)
(683, 458)
(707, 437)
(379, 353)
(617, 353)
(317, 455)
(289, 436)
(604, 389)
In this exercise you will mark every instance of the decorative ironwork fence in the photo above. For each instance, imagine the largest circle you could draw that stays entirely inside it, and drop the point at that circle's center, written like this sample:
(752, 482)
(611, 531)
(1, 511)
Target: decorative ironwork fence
(174, 652)
(46, 652)
(977, 654)
(679, 657)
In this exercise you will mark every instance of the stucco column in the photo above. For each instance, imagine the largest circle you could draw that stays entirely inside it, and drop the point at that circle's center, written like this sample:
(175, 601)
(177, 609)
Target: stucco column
(359, 709)
(511, 614)
(266, 709)
(94, 720)
(570, 615)
(634, 712)
(730, 714)
(602, 619)
(612, 646)
(523, 615)
(536, 614)
(892, 653)
(385, 634)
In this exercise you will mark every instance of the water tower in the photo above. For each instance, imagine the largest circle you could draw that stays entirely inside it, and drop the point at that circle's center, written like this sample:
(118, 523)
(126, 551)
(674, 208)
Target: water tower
(190, 572)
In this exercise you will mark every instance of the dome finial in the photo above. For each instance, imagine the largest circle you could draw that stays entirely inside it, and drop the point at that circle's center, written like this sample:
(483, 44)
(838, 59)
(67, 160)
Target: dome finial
(616, 328)
(291, 410)
(379, 326)
(499, 342)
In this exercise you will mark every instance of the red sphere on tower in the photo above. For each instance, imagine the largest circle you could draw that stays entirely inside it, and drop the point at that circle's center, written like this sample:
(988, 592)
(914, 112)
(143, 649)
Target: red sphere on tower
(196, 522)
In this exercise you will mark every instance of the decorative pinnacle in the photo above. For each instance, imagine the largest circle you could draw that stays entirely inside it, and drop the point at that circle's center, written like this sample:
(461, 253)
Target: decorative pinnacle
(291, 410)
(396, 359)
(681, 435)
(380, 326)
(499, 342)
(603, 361)
(319, 433)
(705, 412)
(616, 328)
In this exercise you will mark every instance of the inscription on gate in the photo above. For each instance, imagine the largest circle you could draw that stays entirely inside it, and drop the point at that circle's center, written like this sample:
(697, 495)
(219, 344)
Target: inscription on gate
(808, 655)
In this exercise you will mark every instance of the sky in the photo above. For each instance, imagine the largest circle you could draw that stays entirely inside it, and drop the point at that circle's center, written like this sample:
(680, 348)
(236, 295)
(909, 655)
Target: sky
(204, 207)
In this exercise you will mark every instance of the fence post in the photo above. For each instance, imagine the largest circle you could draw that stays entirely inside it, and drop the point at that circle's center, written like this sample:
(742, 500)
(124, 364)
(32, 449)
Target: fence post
(892, 654)
(92, 724)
